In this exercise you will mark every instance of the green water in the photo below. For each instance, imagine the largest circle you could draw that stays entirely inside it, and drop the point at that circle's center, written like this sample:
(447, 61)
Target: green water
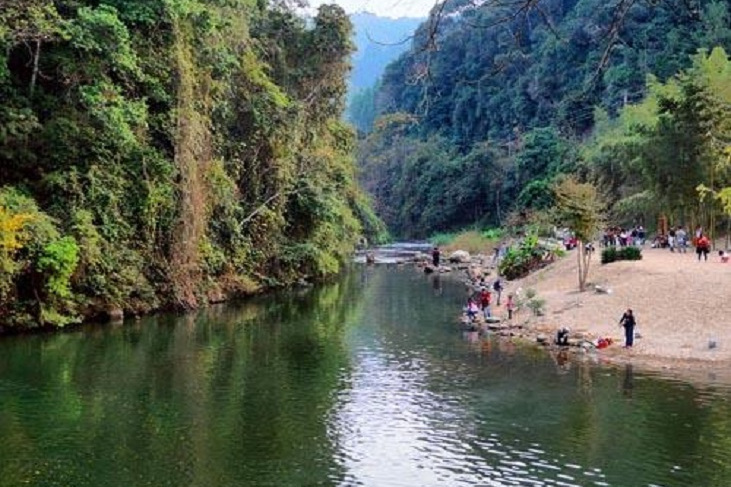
(366, 381)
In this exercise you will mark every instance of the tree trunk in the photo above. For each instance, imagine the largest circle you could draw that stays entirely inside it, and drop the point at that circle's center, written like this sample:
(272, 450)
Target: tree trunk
(580, 261)
(584, 261)
(34, 75)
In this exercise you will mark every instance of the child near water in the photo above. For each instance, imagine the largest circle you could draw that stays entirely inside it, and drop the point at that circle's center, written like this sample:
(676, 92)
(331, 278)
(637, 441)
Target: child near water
(510, 306)
(471, 309)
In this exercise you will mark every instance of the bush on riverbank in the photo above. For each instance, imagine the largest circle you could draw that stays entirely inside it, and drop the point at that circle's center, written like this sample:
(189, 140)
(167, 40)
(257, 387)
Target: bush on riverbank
(528, 256)
(612, 254)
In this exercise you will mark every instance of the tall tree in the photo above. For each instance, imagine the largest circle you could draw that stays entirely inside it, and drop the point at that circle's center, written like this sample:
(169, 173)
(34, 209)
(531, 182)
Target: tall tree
(580, 208)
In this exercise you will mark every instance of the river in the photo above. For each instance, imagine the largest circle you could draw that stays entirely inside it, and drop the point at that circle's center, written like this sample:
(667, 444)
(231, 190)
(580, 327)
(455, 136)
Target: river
(365, 381)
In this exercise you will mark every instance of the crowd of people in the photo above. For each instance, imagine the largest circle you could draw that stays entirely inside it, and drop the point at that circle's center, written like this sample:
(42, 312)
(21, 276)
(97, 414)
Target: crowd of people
(621, 237)
(676, 239)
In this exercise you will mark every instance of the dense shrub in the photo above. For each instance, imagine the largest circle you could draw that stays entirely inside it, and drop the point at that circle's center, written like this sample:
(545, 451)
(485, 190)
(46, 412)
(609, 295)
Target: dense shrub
(613, 254)
(526, 257)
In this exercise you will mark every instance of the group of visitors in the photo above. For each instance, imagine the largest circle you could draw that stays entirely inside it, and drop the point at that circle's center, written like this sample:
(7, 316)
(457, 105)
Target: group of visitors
(677, 239)
(621, 237)
(482, 299)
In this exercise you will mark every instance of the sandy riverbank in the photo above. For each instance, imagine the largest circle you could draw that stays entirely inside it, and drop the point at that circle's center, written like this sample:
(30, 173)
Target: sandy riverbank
(680, 304)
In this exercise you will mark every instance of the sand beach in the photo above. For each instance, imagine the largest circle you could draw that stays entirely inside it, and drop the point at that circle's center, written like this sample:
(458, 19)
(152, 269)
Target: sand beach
(682, 306)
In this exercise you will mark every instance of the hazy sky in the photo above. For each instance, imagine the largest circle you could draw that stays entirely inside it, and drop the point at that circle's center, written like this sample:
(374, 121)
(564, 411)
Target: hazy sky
(384, 8)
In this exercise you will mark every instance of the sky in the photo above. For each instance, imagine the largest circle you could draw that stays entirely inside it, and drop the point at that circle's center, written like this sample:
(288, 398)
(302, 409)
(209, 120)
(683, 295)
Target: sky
(383, 8)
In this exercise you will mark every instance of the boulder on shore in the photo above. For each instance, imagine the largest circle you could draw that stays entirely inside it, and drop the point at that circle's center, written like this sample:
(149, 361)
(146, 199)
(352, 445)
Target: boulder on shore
(115, 315)
(460, 257)
(475, 272)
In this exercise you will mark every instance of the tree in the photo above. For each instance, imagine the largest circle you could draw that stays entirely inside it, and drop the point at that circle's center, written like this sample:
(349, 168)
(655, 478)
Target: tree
(580, 208)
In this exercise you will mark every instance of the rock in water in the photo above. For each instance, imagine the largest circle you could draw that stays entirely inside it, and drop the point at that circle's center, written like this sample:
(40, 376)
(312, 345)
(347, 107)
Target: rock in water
(712, 343)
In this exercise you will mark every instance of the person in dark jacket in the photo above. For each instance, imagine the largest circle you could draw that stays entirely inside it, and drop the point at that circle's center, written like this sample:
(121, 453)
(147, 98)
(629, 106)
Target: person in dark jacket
(629, 323)
(498, 288)
(435, 255)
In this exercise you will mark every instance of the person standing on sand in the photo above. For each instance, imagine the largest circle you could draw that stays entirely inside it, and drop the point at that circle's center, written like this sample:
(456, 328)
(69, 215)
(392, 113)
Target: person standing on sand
(498, 288)
(681, 239)
(703, 246)
(510, 305)
(629, 323)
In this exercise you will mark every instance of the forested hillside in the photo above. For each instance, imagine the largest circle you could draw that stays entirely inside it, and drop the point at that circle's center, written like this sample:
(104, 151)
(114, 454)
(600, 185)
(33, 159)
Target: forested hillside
(494, 102)
(157, 153)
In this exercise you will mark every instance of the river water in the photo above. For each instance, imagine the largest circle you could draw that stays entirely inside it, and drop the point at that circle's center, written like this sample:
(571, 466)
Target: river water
(365, 381)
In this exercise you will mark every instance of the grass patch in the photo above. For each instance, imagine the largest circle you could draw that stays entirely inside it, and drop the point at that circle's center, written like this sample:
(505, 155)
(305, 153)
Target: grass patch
(473, 241)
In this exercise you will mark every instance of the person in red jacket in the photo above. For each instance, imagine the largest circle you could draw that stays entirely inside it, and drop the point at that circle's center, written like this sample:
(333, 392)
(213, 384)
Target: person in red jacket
(702, 247)
(485, 298)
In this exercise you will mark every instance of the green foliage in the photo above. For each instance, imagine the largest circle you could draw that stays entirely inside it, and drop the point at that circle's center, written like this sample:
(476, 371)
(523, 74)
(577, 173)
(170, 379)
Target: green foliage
(423, 187)
(579, 208)
(362, 109)
(537, 306)
(472, 241)
(166, 149)
(97, 31)
(659, 153)
(529, 299)
(37, 264)
(504, 112)
(442, 239)
(493, 234)
(613, 254)
(57, 262)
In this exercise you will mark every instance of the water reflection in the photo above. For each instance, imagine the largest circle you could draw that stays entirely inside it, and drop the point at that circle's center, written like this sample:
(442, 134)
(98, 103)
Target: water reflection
(437, 284)
(367, 381)
(628, 383)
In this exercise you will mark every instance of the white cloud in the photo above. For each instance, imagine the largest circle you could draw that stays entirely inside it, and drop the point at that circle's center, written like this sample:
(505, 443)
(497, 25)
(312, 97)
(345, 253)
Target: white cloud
(384, 8)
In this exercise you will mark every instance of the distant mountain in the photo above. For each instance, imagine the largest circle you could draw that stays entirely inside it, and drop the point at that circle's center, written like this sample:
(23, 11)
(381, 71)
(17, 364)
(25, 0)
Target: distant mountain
(379, 41)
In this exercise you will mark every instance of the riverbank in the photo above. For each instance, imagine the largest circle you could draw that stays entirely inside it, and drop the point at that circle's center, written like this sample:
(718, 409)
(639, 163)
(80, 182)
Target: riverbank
(681, 305)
